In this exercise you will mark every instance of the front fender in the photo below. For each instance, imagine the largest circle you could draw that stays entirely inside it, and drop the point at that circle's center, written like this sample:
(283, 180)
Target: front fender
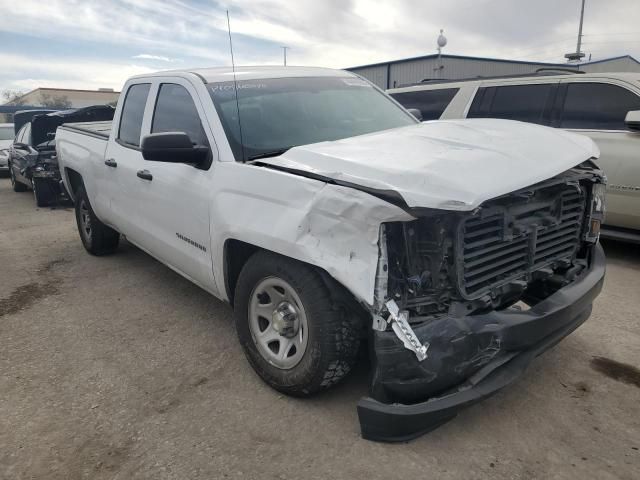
(332, 227)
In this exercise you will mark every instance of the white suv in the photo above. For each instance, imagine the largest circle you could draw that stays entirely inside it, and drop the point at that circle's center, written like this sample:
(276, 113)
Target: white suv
(605, 107)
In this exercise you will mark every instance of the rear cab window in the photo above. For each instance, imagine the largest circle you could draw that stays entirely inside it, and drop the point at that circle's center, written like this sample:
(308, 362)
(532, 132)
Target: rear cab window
(527, 103)
(596, 106)
(132, 115)
(431, 103)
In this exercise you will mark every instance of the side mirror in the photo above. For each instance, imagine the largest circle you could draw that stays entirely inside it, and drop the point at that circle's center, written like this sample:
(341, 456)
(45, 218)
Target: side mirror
(173, 147)
(632, 120)
(415, 112)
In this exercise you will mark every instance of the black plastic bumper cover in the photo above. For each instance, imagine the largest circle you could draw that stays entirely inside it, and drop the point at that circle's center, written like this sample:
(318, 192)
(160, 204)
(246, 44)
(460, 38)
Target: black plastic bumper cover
(480, 353)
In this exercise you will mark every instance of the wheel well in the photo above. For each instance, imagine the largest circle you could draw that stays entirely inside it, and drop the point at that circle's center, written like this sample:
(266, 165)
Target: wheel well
(236, 254)
(75, 181)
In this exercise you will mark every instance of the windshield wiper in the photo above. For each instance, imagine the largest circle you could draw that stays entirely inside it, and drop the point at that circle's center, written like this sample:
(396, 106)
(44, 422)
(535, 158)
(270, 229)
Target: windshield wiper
(273, 153)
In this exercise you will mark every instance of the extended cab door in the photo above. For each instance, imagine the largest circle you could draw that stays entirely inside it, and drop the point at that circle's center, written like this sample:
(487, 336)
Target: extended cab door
(597, 109)
(116, 197)
(174, 200)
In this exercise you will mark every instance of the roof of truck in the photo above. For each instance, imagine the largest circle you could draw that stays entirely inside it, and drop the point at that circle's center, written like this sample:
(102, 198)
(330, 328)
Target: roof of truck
(222, 74)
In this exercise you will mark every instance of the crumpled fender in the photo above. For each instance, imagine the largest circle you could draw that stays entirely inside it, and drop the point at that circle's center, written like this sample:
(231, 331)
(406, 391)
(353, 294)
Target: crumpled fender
(333, 227)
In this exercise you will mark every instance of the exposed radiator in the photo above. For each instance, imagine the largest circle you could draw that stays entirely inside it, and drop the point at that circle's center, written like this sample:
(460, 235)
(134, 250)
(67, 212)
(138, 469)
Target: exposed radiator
(508, 243)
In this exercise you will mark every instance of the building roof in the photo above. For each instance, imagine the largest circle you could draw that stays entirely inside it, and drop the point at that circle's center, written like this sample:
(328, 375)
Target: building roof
(70, 90)
(487, 59)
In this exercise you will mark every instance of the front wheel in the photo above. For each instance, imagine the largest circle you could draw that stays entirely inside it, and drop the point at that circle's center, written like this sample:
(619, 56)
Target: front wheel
(15, 184)
(296, 334)
(97, 238)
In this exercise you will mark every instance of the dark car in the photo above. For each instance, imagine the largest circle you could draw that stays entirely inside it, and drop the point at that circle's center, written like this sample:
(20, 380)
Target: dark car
(32, 156)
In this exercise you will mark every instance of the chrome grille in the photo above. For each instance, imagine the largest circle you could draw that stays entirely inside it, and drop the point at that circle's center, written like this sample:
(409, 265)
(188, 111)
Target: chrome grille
(509, 243)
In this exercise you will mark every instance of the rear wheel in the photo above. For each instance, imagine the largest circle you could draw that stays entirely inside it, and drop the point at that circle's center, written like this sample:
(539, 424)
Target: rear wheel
(296, 334)
(17, 186)
(43, 192)
(97, 238)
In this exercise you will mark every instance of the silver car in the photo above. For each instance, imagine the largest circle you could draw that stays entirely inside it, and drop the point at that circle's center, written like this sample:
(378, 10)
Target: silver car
(6, 137)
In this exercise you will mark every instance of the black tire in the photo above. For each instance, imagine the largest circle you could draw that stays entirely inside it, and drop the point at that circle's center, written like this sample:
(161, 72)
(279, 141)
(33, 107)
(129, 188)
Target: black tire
(333, 328)
(17, 186)
(97, 238)
(43, 192)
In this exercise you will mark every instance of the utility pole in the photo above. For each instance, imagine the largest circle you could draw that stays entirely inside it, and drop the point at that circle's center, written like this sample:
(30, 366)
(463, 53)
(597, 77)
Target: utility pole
(284, 51)
(577, 55)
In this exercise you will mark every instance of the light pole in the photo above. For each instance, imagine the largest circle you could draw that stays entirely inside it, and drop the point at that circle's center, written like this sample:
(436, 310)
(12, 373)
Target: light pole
(284, 51)
(577, 55)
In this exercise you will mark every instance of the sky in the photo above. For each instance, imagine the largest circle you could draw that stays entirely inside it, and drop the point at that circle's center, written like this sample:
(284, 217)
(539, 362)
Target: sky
(93, 44)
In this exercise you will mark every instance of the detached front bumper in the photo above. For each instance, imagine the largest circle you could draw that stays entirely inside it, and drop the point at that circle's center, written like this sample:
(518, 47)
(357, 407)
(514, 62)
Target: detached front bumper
(469, 359)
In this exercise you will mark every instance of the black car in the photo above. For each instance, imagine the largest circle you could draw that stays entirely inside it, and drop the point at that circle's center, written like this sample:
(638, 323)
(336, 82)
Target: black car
(32, 156)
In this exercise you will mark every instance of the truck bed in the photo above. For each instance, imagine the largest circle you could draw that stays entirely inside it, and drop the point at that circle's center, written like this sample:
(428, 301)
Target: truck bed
(96, 129)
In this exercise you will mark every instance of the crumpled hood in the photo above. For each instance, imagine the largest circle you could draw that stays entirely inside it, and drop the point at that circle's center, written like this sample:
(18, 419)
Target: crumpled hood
(450, 164)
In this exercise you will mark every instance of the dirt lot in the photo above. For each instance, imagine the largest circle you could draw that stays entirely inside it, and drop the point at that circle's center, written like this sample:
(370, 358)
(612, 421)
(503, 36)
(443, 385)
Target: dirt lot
(117, 367)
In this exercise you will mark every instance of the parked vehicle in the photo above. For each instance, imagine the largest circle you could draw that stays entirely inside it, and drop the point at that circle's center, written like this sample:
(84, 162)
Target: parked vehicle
(325, 213)
(604, 106)
(6, 138)
(32, 155)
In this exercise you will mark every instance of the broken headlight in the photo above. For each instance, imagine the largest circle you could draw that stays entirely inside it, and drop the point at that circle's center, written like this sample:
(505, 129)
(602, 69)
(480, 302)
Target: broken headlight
(598, 209)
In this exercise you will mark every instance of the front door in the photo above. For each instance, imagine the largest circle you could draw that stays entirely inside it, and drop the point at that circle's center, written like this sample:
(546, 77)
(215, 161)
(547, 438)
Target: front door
(175, 197)
(598, 110)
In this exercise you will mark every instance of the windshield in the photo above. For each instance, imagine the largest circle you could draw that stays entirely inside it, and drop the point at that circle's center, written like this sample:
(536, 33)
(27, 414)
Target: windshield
(7, 133)
(280, 113)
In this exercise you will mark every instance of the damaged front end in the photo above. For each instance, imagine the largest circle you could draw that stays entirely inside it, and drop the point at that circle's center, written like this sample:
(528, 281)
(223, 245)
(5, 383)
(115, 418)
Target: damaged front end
(464, 300)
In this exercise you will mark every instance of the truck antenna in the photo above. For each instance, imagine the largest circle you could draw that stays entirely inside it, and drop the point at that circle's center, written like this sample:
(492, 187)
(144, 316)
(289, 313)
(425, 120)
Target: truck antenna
(235, 85)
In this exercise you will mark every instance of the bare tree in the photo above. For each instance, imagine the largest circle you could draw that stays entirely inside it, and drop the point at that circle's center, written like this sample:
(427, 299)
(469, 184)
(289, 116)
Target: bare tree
(51, 101)
(12, 97)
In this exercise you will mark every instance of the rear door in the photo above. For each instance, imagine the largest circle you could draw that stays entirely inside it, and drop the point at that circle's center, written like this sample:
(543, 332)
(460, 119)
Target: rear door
(597, 109)
(174, 200)
(119, 187)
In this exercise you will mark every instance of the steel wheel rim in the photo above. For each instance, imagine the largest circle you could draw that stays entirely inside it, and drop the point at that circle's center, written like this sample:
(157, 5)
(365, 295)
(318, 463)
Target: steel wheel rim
(33, 187)
(278, 323)
(85, 220)
(12, 176)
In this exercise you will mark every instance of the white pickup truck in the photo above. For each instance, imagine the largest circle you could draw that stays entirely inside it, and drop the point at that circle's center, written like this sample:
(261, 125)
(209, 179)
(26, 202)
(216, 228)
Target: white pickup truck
(327, 215)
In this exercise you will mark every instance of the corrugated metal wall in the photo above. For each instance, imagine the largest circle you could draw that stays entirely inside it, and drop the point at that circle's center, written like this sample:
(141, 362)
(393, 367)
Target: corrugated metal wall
(406, 73)
(614, 65)
(376, 75)
(413, 71)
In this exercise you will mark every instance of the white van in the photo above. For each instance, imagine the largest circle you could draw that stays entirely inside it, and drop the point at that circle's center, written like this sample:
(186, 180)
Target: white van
(604, 106)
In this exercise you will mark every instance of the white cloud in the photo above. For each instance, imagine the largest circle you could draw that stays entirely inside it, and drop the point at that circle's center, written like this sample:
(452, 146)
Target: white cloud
(69, 73)
(332, 33)
(146, 56)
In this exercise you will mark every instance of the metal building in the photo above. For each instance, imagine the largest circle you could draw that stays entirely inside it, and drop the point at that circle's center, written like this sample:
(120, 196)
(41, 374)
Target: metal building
(397, 73)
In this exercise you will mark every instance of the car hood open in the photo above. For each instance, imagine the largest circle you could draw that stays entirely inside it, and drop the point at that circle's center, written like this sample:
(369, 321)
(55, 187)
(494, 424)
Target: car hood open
(450, 165)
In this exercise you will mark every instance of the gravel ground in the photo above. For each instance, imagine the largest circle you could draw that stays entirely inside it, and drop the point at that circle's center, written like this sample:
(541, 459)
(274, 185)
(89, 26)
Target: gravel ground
(116, 367)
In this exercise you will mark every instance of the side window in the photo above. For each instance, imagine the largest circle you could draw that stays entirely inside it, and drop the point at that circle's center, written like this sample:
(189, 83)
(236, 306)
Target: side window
(432, 103)
(26, 135)
(132, 114)
(176, 112)
(597, 106)
(526, 103)
(20, 134)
